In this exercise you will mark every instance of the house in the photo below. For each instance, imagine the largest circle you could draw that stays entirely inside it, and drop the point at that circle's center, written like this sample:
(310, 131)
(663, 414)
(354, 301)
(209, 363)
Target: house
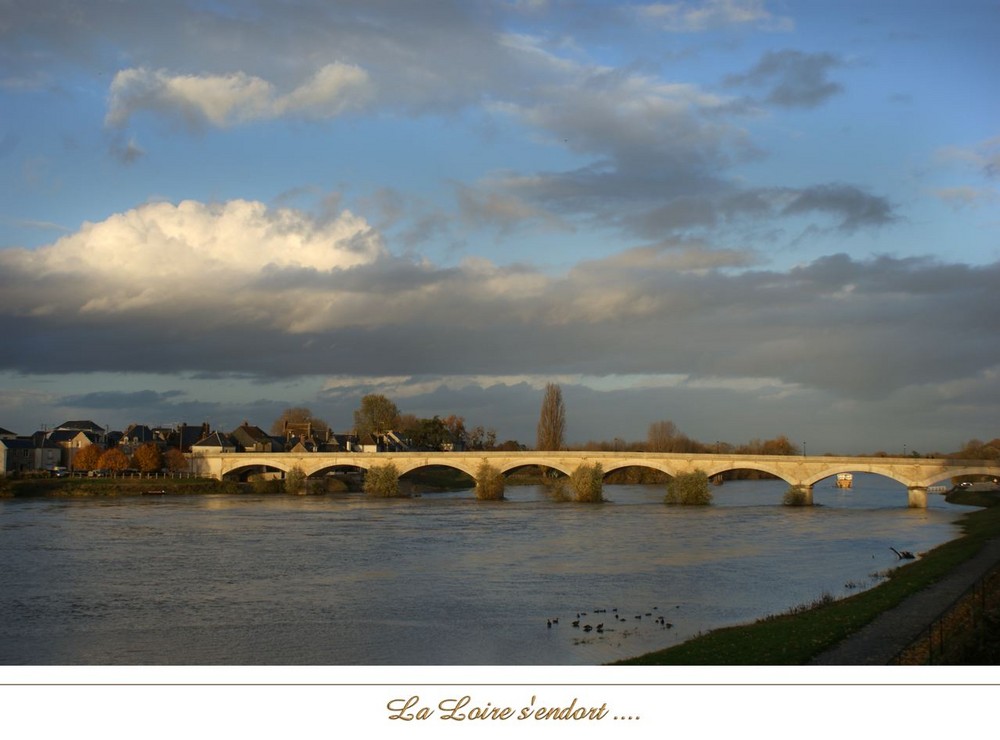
(20, 454)
(344, 443)
(16, 454)
(384, 442)
(182, 436)
(214, 443)
(251, 438)
(85, 425)
(136, 436)
(71, 441)
(6, 434)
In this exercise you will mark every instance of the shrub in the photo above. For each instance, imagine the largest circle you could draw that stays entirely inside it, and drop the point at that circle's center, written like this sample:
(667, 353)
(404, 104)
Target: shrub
(382, 481)
(489, 482)
(328, 484)
(556, 488)
(266, 484)
(689, 489)
(796, 496)
(588, 483)
(295, 480)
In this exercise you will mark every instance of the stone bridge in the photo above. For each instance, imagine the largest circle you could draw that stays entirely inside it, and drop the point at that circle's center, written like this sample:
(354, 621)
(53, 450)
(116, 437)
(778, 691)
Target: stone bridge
(917, 474)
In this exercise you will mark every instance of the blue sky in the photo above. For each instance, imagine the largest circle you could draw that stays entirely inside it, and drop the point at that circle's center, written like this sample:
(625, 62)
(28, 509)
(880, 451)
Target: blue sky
(752, 218)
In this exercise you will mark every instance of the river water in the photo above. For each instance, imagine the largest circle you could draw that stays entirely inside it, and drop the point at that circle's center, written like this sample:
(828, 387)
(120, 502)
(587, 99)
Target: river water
(441, 579)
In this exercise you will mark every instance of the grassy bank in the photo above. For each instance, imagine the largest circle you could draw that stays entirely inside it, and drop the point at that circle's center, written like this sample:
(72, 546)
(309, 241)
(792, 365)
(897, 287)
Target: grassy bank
(796, 637)
(115, 486)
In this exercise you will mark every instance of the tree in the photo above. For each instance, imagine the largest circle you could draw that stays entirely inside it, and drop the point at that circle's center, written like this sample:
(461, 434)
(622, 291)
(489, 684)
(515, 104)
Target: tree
(425, 434)
(660, 437)
(456, 429)
(148, 458)
(175, 461)
(297, 415)
(780, 445)
(87, 457)
(376, 415)
(114, 459)
(481, 438)
(489, 482)
(552, 420)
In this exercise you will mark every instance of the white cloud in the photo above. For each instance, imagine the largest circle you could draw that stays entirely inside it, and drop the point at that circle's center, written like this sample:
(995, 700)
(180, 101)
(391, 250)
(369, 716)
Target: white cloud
(712, 14)
(227, 100)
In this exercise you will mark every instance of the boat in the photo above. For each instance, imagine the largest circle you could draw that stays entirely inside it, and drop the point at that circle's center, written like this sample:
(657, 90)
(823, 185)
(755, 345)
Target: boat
(845, 480)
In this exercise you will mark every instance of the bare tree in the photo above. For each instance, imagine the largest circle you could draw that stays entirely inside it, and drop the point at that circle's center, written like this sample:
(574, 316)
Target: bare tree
(660, 437)
(552, 421)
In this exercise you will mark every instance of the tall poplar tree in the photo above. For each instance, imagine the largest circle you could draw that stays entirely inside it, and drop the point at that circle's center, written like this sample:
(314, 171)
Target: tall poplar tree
(552, 421)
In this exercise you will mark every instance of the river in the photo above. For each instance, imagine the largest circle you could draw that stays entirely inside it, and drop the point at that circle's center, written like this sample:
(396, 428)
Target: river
(441, 579)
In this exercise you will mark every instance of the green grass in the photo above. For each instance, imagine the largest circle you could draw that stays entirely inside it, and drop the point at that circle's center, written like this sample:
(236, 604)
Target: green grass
(796, 637)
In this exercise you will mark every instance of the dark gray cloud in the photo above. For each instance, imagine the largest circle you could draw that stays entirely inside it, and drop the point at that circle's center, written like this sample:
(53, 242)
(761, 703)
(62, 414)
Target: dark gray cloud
(855, 328)
(120, 399)
(793, 79)
(855, 207)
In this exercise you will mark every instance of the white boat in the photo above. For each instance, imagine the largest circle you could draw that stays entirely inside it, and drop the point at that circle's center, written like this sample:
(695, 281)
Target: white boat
(845, 480)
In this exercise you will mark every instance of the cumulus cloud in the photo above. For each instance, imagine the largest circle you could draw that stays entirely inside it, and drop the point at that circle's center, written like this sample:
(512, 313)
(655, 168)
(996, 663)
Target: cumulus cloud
(226, 100)
(186, 255)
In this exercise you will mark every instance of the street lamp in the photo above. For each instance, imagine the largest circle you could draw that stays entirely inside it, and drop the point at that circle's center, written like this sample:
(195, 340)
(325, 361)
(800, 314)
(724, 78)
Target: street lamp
(803, 449)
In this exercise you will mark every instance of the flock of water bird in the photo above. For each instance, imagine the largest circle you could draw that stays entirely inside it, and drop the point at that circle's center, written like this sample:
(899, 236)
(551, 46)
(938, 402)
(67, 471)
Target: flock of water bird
(582, 623)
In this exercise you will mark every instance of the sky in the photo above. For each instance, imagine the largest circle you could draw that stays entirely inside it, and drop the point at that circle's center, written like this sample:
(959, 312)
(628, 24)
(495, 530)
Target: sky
(750, 217)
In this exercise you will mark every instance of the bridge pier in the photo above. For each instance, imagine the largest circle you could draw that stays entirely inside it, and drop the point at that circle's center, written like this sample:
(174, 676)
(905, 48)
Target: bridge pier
(916, 497)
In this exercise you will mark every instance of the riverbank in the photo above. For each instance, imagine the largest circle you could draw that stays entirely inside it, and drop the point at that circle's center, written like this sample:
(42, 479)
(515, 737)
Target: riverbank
(125, 486)
(847, 631)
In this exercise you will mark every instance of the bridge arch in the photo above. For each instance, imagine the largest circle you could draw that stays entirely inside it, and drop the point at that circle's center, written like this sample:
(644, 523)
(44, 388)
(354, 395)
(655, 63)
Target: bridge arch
(971, 470)
(468, 469)
(886, 472)
(507, 469)
(731, 467)
(243, 472)
(640, 470)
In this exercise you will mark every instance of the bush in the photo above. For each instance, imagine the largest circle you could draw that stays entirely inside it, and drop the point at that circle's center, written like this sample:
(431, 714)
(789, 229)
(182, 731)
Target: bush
(382, 481)
(796, 496)
(689, 489)
(557, 489)
(588, 483)
(295, 480)
(266, 484)
(489, 482)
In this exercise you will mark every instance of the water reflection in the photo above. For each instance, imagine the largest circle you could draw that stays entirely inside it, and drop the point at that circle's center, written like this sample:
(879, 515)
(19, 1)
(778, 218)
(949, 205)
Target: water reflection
(442, 579)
